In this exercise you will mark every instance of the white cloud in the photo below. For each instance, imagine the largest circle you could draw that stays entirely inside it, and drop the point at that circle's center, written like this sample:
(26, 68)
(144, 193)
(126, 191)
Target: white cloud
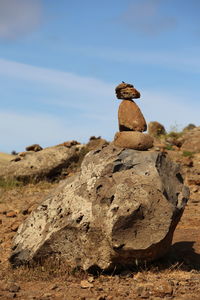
(65, 80)
(19, 17)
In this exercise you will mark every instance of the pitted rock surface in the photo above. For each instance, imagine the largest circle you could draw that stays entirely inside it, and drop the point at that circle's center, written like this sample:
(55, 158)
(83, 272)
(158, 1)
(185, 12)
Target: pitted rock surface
(122, 207)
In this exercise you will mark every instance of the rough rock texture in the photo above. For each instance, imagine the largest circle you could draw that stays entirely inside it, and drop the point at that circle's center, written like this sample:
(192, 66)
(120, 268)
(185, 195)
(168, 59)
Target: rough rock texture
(121, 209)
(126, 91)
(45, 164)
(192, 140)
(130, 117)
(155, 129)
(133, 140)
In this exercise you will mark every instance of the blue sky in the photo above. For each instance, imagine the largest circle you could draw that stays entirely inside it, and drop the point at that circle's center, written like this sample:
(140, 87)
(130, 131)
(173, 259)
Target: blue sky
(61, 60)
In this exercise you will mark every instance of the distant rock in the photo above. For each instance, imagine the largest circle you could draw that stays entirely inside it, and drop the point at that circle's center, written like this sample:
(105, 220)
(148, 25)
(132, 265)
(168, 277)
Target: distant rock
(50, 164)
(189, 127)
(69, 144)
(120, 210)
(191, 140)
(96, 142)
(34, 147)
(156, 129)
(175, 140)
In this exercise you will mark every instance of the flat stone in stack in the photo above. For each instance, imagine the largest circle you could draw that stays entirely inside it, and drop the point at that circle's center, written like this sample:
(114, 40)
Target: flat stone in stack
(126, 91)
(133, 140)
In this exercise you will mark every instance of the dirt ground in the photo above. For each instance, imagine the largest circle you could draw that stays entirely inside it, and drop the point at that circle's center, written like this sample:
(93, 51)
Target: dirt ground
(177, 276)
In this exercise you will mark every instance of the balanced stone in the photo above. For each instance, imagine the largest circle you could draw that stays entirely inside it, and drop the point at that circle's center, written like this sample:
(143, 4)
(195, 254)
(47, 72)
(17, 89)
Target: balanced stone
(126, 91)
(130, 117)
(133, 140)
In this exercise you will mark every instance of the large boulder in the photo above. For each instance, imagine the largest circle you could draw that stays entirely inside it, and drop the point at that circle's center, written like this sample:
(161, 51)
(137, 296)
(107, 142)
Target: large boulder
(121, 209)
(48, 164)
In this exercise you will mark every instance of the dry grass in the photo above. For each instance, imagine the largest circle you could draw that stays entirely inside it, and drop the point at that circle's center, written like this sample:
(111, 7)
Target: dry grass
(5, 157)
(48, 270)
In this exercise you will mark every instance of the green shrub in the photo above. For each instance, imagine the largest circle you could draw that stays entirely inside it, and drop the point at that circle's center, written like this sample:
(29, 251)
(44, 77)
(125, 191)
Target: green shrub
(188, 154)
(174, 134)
(9, 183)
(168, 147)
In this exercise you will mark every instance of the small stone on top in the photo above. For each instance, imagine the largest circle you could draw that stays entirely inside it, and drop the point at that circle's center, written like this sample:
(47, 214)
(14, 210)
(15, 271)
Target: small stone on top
(126, 91)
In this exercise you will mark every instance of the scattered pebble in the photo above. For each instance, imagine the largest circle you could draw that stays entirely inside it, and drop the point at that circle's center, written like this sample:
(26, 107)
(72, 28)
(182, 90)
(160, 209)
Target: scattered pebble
(54, 287)
(14, 288)
(90, 279)
(85, 284)
(15, 226)
(163, 288)
(11, 214)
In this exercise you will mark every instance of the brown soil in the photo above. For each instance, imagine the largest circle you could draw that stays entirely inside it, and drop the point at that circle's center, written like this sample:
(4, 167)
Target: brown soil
(177, 276)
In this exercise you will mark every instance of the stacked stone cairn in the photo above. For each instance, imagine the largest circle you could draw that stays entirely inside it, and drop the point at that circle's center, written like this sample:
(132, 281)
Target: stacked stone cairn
(132, 123)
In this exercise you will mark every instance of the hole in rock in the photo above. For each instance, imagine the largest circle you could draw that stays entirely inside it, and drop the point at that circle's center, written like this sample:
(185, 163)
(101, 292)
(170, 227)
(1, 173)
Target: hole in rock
(59, 210)
(179, 177)
(79, 219)
(96, 151)
(99, 187)
(44, 207)
(112, 198)
(165, 194)
(117, 167)
(118, 247)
